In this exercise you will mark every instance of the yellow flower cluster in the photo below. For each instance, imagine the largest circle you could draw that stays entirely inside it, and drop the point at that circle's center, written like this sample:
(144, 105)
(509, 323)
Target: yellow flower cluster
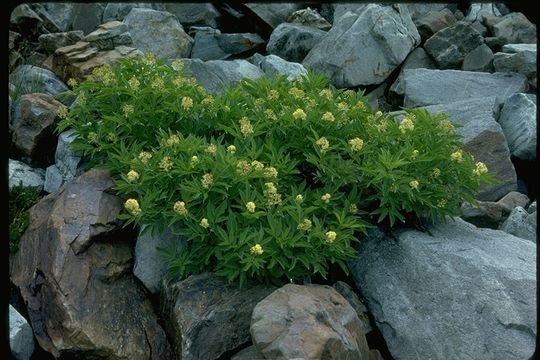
(187, 102)
(441, 203)
(326, 198)
(481, 168)
(353, 209)
(457, 156)
(330, 237)
(299, 114)
(381, 127)
(407, 124)
(111, 137)
(72, 82)
(157, 84)
(305, 225)
(349, 93)
(414, 154)
(179, 207)
(132, 206)
(177, 64)
(259, 101)
(172, 140)
(81, 99)
(208, 101)
(166, 163)
(323, 144)
(257, 165)
(270, 172)
(148, 58)
(250, 206)
(328, 116)
(132, 176)
(92, 137)
(62, 111)
(297, 93)
(360, 105)
(446, 125)
(414, 184)
(194, 160)
(326, 93)
(207, 180)
(144, 156)
(134, 83)
(356, 144)
(273, 94)
(204, 223)
(436, 172)
(211, 149)
(127, 109)
(231, 149)
(299, 198)
(256, 250)
(243, 167)
(103, 73)
(245, 126)
(272, 195)
(343, 105)
(270, 114)
(178, 81)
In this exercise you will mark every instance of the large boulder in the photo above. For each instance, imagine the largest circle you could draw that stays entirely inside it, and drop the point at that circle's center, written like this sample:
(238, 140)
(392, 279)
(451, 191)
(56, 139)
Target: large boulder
(51, 42)
(457, 292)
(417, 59)
(158, 32)
(214, 75)
(293, 42)
(309, 17)
(194, 14)
(30, 79)
(423, 86)
(308, 322)
(364, 48)
(23, 174)
(21, 337)
(67, 164)
(478, 59)
(211, 44)
(515, 28)
(273, 65)
(206, 316)
(273, 14)
(518, 121)
(87, 16)
(520, 59)
(118, 11)
(434, 21)
(73, 270)
(521, 224)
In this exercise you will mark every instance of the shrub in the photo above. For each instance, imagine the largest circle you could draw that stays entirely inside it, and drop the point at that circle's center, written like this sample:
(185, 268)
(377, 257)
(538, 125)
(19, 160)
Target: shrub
(20, 200)
(272, 180)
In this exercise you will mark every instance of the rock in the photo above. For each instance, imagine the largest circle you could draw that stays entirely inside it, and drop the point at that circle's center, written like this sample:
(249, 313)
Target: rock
(22, 174)
(293, 42)
(364, 49)
(249, 353)
(434, 21)
(523, 62)
(449, 46)
(423, 86)
(118, 11)
(418, 10)
(273, 64)
(237, 44)
(418, 58)
(477, 11)
(457, 293)
(309, 322)
(532, 208)
(109, 35)
(214, 75)
(53, 179)
(150, 265)
(26, 21)
(211, 44)
(73, 269)
(517, 48)
(513, 199)
(158, 32)
(518, 121)
(478, 59)
(487, 214)
(273, 14)
(309, 17)
(87, 16)
(350, 295)
(194, 14)
(21, 338)
(480, 28)
(14, 38)
(33, 131)
(49, 25)
(61, 14)
(521, 224)
(515, 28)
(67, 160)
(32, 79)
(51, 42)
(341, 9)
(206, 316)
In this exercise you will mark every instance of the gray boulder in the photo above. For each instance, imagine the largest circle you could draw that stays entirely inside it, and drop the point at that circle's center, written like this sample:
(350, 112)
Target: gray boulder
(434, 21)
(51, 42)
(477, 11)
(109, 35)
(272, 65)
(350, 295)
(363, 49)
(487, 214)
(67, 164)
(513, 199)
(519, 60)
(214, 75)
(515, 28)
(449, 46)
(211, 44)
(194, 14)
(457, 293)
(20, 173)
(423, 86)
(293, 42)
(21, 337)
(333, 11)
(273, 14)
(118, 11)
(61, 14)
(478, 59)
(418, 10)
(53, 179)
(206, 316)
(158, 32)
(87, 16)
(521, 224)
(309, 17)
(532, 207)
(31, 79)
(418, 58)
(518, 121)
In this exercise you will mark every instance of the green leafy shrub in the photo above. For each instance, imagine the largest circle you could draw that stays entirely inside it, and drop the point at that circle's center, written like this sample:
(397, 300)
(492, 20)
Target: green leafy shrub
(272, 179)
(20, 200)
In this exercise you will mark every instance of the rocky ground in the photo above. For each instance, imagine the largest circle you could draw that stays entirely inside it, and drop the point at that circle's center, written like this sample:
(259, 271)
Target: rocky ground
(84, 287)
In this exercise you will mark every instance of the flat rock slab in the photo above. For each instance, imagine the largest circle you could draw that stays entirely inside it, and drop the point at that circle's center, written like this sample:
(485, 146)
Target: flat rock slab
(460, 293)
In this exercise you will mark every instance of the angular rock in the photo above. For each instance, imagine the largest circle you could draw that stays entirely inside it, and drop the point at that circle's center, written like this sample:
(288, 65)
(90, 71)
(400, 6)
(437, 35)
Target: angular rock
(53, 179)
(517, 48)
(273, 14)
(21, 337)
(418, 58)
(158, 32)
(33, 129)
(434, 21)
(150, 266)
(214, 75)
(457, 293)
(211, 44)
(513, 199)
(521, 224)
(206, 316)
(478, 59)
(309, 322)
(118, 11)
(240, 43)
(14, 38)
(32, 79)
(518, 121)
(341, 9)
(515, 28)
(522, 62)
(363, 49)
(22, 174)
(449, 46)
(273, 64)
(87, 16)
(293, 42)
(532, 207)
(109, 35)
(67, 160)
(418, 10)
(476, 12)
(51, 42)
(48, 22)
(194, 14)
(26, 21)
(61, 14)
(73, 269)
(309, 17)
(358, 305)
(249, 353)
(423, 86)
(487, 214)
